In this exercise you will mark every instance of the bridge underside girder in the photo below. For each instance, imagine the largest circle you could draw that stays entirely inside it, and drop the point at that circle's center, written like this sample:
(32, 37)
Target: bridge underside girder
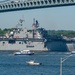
(33, 4)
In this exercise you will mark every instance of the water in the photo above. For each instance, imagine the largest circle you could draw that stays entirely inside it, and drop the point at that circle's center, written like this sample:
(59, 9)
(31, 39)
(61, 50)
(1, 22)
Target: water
(16, 65)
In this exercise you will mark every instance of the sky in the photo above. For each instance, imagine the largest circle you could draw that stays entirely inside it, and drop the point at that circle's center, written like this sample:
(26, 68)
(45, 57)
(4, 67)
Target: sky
(56, 18)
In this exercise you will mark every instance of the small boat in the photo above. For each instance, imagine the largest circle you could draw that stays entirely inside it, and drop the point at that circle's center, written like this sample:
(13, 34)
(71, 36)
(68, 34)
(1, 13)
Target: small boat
(32, 62)
(24, 52)
(72, 52)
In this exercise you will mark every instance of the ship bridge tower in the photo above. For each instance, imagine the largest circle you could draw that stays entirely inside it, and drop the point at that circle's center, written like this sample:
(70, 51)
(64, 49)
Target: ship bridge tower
(35, 26)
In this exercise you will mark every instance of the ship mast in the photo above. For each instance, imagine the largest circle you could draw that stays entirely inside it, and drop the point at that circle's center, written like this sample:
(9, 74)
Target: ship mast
(35, 26)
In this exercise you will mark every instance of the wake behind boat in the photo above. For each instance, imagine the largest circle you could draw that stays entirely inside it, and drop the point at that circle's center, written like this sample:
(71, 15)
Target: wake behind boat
(24, 52)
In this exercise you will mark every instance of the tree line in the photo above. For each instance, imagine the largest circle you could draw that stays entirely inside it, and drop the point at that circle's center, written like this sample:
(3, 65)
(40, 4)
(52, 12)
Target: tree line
(67, 33)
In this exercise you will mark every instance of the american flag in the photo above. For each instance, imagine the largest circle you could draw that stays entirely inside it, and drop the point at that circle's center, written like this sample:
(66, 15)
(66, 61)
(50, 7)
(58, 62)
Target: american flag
(33, 25)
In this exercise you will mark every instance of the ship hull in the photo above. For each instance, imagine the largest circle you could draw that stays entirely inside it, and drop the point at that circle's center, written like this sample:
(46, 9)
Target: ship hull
(37, 45)
(60, 46)
(21, 44)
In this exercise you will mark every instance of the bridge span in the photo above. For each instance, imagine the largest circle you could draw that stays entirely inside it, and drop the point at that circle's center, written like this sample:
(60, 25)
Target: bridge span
(6, 6)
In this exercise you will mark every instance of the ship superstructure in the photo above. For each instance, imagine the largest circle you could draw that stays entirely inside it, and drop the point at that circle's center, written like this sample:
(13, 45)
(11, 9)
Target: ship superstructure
(20, 38)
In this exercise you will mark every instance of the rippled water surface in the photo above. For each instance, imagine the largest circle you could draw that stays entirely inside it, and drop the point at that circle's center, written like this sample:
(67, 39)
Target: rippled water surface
(16, 65)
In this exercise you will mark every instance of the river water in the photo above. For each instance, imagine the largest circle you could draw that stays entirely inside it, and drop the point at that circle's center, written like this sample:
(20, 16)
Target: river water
(16, 65)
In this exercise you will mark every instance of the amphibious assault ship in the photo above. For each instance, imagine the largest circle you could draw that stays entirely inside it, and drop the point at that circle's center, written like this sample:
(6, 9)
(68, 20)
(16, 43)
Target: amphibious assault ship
(35, 40)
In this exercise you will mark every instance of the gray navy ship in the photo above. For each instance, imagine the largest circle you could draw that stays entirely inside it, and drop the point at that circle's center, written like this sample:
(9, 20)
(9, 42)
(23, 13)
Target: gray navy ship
(35, 40)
